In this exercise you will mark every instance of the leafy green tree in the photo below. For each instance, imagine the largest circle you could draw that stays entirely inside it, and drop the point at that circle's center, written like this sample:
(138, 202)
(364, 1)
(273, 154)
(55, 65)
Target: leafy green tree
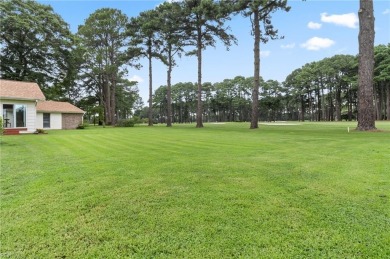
(288, 104)
(69, 89)
(342, 67)
(171, 36)
(36, 45)
(126, 97)
(142, 113)
(259, 12)
(228, 100)
(294, 82)
(204, 24)
(271, 100)
(231, 99)
(366, 115)
(143, 31)
(382, 78)
(242, 100)
(104, 40)
(184, 95)
(224, 95)
(160, 104)
(325, 88)
(207, 94)
(138, 106)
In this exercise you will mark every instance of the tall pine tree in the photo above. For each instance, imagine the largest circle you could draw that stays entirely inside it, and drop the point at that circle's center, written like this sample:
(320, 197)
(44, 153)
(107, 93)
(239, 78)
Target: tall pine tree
(366, 113)
(204, 24)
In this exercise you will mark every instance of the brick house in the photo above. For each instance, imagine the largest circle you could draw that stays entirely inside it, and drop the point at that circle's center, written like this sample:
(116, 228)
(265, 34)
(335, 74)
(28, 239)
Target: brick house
(24, 109)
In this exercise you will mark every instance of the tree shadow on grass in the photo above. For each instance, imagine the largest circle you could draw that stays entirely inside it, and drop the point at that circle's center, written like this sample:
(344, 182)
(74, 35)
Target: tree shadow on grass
(3, 143)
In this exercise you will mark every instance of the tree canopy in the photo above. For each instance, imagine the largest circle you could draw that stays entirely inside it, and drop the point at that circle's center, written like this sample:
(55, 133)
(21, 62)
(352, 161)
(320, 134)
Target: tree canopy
(259, 12)
(36, 45)
(91, 68)
(104, 40)
(204, 24)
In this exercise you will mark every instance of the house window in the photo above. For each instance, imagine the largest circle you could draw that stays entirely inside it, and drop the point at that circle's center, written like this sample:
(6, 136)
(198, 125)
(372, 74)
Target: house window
(46, 120)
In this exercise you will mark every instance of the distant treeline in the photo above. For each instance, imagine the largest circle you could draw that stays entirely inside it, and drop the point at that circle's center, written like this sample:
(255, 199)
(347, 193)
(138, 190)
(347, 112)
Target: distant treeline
(325, 90)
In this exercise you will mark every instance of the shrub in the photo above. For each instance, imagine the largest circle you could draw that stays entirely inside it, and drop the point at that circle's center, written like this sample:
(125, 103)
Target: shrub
(125, 123)
(1, 126)
(83, 125)
(137, 120)
(40, 131)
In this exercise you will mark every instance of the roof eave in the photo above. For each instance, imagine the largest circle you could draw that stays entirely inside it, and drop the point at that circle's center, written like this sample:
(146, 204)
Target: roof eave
(20, 99)
(48, 111)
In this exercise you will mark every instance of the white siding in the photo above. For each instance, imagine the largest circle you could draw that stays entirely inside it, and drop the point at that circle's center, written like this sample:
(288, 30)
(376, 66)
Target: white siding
(31, 116)
(39, 121)
(30, 112)
(55, 121)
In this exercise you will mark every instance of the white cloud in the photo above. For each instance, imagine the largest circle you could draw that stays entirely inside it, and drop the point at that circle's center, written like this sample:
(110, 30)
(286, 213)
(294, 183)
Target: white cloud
(317, 43)
(288, 46)
(349, 20)
(136, 78)
(265, 53)
(314, 25)
(387, 11)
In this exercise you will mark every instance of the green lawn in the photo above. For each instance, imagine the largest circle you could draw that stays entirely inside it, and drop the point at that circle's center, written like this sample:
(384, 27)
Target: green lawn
(298, 191)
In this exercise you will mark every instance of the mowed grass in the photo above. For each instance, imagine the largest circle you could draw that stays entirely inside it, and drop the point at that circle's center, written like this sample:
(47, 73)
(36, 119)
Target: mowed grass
(299, 191)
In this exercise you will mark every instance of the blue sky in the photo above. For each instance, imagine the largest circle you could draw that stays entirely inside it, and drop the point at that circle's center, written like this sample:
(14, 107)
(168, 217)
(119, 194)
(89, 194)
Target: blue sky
(312, 30)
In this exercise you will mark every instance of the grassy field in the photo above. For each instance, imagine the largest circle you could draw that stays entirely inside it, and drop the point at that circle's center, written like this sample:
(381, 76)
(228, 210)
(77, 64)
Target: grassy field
(284, 191)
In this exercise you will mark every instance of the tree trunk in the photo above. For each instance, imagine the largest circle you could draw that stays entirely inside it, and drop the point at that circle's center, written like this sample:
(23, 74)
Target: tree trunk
(302, 117)
(181, 112)
(331, 106)
(319, 110)
(107, 101)
(199, 110)
(350, 103)
(101, 103)
(310, 104)
(366, 114)
(256, 76)
(150, 111)
(388, 102)
(169, 96)
(378, 102)
(112, 100)
(112, 79)
(323, 102)
(382, 96)
(338, 104)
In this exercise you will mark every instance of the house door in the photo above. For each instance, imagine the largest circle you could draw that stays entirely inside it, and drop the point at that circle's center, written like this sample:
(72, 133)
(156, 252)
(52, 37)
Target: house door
(14, 115)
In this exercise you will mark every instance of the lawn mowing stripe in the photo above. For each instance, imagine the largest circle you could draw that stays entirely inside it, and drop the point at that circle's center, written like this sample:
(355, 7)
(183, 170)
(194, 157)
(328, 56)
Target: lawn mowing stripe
(221, 191)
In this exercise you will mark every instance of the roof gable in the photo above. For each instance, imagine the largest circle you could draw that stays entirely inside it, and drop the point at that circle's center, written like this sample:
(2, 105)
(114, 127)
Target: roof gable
(60, 107)
(20, 90)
